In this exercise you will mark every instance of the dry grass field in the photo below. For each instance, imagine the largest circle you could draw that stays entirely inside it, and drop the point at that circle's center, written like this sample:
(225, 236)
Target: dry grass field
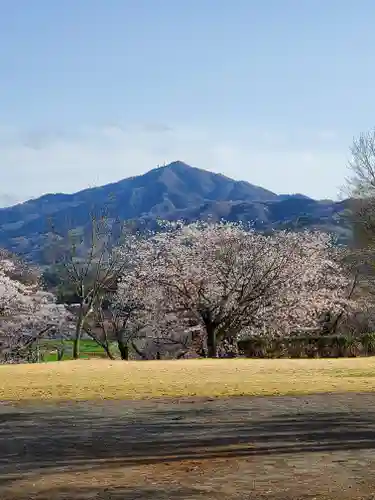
(102, 379)
(161, 430)
(319, 447)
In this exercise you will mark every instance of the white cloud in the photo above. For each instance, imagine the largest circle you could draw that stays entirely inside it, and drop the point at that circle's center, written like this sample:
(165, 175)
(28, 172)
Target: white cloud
(36, 162)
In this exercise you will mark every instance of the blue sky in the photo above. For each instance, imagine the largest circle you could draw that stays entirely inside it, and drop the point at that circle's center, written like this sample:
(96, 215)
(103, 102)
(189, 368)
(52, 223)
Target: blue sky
(269, 91)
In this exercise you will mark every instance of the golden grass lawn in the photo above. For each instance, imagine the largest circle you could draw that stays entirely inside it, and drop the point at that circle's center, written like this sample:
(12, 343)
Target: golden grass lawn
(102, 379)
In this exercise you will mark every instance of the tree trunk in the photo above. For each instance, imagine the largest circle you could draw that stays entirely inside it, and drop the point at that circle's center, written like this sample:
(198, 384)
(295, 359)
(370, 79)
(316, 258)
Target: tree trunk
(104, 344)
(124, 350)
(211, 341)
(181, 354)
(60, 353)
(107, 350)
(138, 351)
(77, 338)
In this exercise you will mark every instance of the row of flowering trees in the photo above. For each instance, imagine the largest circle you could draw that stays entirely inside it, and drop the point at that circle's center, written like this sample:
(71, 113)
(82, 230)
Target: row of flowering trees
(224, 281)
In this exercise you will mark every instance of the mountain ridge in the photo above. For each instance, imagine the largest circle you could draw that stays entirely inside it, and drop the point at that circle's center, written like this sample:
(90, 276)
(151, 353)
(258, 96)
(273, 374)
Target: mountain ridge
(172, 191)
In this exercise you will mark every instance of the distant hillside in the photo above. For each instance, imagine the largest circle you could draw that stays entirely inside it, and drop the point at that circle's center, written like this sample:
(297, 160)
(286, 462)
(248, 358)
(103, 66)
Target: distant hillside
(170, 192)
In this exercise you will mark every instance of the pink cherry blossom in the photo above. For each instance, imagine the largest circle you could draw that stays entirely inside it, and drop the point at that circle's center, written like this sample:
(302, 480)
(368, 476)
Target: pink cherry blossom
(26, 311)
(232, 281)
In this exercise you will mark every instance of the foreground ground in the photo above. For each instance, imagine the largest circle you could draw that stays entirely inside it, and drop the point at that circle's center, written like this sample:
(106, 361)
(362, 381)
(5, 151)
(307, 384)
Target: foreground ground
(308, 447)
(103, 379)
(170, 430)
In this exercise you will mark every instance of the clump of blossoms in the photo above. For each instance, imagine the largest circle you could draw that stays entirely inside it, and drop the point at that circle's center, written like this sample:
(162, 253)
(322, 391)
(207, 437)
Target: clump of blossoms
(26, 311)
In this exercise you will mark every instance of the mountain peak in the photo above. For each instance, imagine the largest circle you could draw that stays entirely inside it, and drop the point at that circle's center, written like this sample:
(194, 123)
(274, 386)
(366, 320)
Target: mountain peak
(172, 191)
(181, 167)
(178, 164)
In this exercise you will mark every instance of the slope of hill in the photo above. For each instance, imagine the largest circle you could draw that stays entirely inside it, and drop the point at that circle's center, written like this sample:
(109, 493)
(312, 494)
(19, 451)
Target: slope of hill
(171, 192)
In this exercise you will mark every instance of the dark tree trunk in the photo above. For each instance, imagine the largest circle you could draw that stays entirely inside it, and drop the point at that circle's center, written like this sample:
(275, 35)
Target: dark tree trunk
(107, 350)
(104, 344)
(211, 341)
(78, 333)
(138, 351)
(202, 352)
(77, 341)
(181, 354)
(124, 350)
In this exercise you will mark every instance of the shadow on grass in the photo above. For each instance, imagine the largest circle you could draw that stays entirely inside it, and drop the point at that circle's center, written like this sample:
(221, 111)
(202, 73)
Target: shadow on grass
(88, 436)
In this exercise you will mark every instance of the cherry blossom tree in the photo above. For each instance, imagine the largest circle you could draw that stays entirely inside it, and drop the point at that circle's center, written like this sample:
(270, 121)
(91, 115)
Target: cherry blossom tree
(138, 311)
(26, 311)
(232, 281)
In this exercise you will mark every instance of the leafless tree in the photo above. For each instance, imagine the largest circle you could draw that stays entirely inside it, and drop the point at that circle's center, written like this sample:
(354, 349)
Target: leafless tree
(92, 275)
(112, 322)
(360, 186)
(361, 181)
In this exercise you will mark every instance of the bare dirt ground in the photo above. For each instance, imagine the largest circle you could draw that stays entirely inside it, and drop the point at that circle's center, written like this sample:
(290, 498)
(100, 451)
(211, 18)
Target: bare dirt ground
(310, 447)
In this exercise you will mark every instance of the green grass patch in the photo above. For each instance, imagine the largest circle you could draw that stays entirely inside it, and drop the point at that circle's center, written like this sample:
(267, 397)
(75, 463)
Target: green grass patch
(88, 349)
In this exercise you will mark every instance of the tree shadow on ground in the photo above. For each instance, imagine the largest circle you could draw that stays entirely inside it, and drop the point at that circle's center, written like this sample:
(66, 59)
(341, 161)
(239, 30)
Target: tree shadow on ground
(141, 493)
(86, 436)
(121, 493)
